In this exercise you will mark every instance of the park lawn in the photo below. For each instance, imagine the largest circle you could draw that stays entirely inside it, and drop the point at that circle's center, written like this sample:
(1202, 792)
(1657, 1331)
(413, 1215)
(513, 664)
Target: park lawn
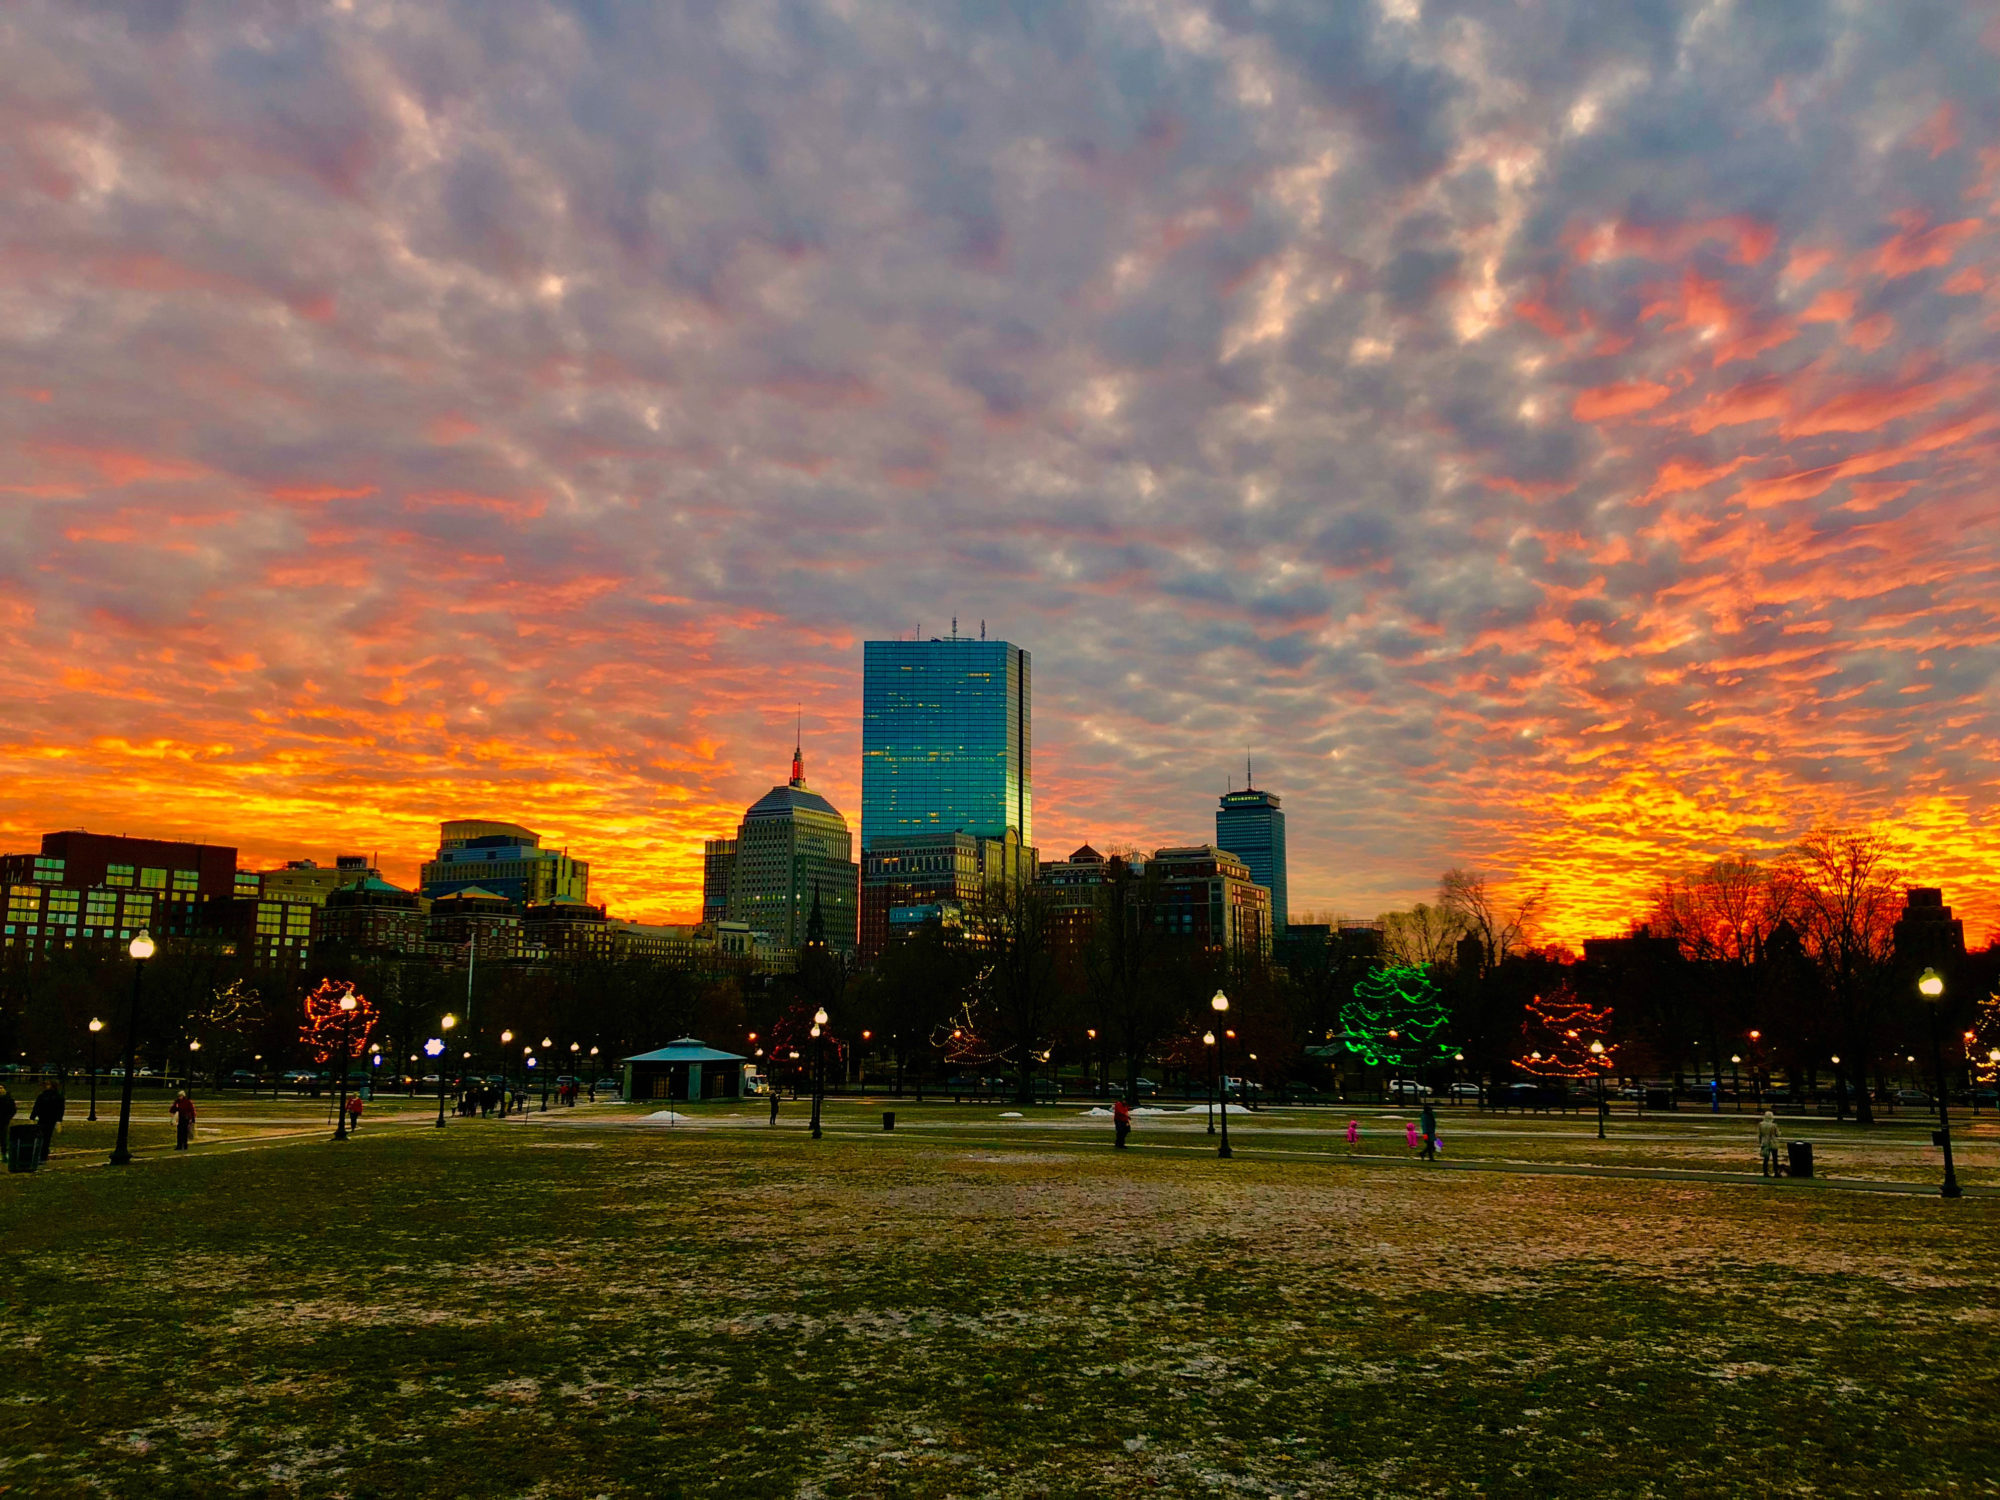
(576, 1305)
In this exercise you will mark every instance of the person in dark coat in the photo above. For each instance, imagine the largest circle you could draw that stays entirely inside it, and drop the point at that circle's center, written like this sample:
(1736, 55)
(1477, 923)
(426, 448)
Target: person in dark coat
(47, 1114)
(8, 1109)
(1121, 1123)
(182, 1109)
(774, 1106)
(1427, 1125)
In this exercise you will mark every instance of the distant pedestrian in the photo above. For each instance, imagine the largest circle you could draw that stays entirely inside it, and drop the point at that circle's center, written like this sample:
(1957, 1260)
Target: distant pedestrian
(1767, 1144)
(47, 1114)
(1410, 1133)
(1353, 1133)
(353, 1113)
(7, 1111)
(182, 1109)
(1121, 1123)
(774, 1106)
(1427, 1127)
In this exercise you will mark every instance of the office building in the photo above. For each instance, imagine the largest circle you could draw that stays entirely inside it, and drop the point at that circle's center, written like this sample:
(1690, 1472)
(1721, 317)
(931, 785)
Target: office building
(1251, 826)
(718, 866)
(1206, 894)
(1927, 932)
(483, 920)
(932, 879)
(946, 741)
(365, 916)
(309, 882)
(97, 890)
(503, 859)
(793, 846)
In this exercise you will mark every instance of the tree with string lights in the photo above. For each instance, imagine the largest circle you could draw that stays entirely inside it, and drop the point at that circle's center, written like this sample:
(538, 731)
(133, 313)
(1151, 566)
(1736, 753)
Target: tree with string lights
(330, 1026)
(1564, 1037)
(1397, 1019)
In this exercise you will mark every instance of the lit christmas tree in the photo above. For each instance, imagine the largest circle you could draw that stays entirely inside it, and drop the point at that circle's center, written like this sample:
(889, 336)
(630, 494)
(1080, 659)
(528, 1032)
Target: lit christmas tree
(1557, 1035)
(328, 1026)
(1396, 1019)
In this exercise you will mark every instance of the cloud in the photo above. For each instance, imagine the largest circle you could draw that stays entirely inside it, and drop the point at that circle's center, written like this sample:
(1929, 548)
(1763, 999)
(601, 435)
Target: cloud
(1558, 446)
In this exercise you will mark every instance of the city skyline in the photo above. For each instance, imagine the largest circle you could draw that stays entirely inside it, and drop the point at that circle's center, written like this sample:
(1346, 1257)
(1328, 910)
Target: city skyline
(1561, 449)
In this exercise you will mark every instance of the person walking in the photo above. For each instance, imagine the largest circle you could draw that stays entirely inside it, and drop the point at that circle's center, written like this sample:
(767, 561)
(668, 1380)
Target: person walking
(1410, 1133)
(1121, 1123)
(1353, 1134)
(47, 1113)
(353, 1113)
(1767, 1143)
(182, 1109)
(1427, 1126)
(774, 1107)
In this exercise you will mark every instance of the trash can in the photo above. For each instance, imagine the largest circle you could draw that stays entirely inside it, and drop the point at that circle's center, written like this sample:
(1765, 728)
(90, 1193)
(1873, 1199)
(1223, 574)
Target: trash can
(888, 1119)
(1798, 1158)
(24, 1148)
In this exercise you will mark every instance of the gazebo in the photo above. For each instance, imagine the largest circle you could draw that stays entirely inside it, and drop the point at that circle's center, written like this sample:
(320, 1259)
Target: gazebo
(686, 1068)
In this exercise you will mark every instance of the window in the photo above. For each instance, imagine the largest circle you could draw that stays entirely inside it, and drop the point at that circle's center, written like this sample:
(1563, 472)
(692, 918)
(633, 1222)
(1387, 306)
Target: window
(153, 880)
(186, 880)
(118, 875)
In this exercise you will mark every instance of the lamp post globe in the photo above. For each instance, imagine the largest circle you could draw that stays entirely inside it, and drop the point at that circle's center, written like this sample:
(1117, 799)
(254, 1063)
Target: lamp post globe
(1930, 985)
(141, 949)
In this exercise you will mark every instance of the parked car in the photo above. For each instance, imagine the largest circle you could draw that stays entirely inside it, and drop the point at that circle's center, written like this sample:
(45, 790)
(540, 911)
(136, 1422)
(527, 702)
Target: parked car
(241, 1078)
(1910, 1096)
(1465, 1091)
(1145, 1088)
(1407, 1088)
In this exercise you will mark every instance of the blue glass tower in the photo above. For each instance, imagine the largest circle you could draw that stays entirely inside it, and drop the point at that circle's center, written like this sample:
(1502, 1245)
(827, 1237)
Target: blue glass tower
(946, 745)
(1250, 826)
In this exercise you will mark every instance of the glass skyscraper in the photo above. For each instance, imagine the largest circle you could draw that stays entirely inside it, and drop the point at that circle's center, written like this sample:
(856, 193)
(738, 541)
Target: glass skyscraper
(1251, 827)
(946, 745)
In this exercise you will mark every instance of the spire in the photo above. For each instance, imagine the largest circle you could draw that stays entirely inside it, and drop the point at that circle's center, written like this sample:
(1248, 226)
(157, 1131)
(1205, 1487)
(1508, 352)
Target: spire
(798, 751)
(815, 923)
(1249, 782)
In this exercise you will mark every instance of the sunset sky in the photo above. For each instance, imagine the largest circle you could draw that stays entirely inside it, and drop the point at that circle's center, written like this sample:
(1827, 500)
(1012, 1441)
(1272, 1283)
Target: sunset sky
(1554, 438)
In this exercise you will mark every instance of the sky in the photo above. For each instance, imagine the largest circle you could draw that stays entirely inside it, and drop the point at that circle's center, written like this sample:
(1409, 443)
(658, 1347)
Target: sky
(1551, 438)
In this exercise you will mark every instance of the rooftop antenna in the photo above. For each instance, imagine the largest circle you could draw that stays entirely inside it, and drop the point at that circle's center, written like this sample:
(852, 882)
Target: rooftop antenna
(982, 630)
(954, 627)
(798, 746)
(1249, 782)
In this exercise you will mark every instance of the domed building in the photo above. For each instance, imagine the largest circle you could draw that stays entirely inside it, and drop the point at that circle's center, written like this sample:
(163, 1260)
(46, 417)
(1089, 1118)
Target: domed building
(793, 846)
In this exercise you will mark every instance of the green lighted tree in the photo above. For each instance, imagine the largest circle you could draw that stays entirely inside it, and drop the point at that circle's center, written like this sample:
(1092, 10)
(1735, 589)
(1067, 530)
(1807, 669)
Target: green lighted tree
(1397, 1018)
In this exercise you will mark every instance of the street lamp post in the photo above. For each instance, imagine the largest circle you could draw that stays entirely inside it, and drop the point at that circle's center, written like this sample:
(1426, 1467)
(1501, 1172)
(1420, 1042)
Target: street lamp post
(1208, 1041)
(1930, 984)
(1736, 1078)
(444, 1042)
(575, 1062)
(348, 1006)
(141, 950)
(434, 1049)
(1220, 1005)
(194, 1056)
(1597, 1059)
(1757, 1069)
(95, 1027)
(506, 1062)
(547, 1042)
(528, 1063)
(819, 1065)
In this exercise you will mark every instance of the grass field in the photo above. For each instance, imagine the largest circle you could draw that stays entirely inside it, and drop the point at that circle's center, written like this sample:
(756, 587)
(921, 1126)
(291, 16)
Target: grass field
(589, 1303)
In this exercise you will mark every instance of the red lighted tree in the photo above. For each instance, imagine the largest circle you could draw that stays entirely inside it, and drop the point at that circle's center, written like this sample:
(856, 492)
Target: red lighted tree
(1557, 1034)
(328, 1026)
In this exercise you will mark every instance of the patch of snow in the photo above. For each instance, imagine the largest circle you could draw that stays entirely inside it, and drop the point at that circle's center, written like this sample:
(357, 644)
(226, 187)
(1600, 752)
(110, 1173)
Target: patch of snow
(668, 1115)
(1010, 1114)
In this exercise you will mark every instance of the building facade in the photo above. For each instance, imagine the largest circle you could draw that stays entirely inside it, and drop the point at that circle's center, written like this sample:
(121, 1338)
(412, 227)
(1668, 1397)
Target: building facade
(947, 742)
(916, 880)
(794, 846)
(98, 890)
(504, 859)
(1251, 825)
(1206, 894)
(718, 866)
(369, 916)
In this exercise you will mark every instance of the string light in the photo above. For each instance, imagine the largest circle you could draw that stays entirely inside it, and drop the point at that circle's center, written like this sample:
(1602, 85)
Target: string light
(1397, 1019)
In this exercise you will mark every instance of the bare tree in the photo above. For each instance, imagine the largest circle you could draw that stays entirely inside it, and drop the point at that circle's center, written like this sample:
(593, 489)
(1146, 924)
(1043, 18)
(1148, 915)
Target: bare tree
(1500, 926)
(1423, 936)
(1847, 888)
